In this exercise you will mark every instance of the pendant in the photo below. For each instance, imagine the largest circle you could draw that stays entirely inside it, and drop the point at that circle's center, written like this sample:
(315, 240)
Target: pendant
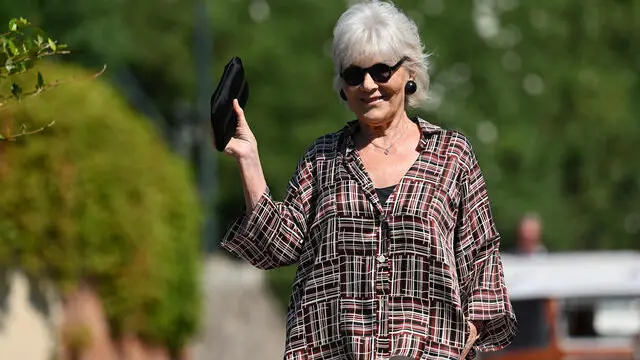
(386, 151)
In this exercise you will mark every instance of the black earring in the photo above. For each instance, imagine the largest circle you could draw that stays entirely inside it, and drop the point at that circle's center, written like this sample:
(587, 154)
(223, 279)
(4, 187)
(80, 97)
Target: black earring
(343, 95)
(411, 87)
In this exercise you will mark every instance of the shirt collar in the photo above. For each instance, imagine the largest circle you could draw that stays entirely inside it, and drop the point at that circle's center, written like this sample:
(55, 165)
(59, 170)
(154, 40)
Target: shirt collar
(426, 129)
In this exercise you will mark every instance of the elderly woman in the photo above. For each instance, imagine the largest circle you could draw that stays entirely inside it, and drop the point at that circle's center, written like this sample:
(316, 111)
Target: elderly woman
(388, 218)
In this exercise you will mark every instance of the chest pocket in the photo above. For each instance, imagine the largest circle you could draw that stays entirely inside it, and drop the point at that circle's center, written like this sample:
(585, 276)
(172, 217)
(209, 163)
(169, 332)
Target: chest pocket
(357, 226)
(325, 208)
(415, 198)
(423, 183)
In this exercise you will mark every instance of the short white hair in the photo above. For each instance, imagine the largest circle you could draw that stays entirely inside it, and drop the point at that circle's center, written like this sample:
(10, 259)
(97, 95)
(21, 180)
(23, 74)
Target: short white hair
(378, 29)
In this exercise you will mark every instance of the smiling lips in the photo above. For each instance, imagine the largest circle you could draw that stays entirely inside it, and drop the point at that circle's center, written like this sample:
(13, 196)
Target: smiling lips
(372, 99)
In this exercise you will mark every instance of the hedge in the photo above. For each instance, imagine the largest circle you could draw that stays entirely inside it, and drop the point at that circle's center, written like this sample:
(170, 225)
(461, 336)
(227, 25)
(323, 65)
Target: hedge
(98, 198)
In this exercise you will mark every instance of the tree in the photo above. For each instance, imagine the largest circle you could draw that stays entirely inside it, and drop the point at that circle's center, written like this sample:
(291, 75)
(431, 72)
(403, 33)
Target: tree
(545, 91)
(147, 44)
(22, 45)
(100, 200)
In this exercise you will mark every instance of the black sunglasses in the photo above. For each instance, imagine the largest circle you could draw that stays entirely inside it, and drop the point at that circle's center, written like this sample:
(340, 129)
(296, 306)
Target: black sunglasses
(380, 73)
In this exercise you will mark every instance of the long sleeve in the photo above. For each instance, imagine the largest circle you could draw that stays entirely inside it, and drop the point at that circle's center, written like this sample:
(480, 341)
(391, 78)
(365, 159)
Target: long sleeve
(483, 291)
(271, 234)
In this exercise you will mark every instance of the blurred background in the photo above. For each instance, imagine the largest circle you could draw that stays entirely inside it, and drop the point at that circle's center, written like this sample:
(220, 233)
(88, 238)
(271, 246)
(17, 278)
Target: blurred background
(116, 212)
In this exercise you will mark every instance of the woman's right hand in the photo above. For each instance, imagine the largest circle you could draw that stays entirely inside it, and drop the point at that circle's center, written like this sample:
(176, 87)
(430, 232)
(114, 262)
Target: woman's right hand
(244, 148)
(243, 144)
(471, 340)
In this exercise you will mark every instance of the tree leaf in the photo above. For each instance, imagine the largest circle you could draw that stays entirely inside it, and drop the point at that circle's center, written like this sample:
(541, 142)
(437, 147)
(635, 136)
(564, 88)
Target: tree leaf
(12, 48)
(52, 44)
(16, 90)
(13, 25)
(9, 66)
(40, 81)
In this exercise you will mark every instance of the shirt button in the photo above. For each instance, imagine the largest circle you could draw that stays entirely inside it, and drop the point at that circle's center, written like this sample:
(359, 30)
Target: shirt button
(381, 258)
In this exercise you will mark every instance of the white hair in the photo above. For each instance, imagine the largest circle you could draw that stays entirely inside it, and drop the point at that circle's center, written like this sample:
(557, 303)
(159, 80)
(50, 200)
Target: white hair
(378, 29)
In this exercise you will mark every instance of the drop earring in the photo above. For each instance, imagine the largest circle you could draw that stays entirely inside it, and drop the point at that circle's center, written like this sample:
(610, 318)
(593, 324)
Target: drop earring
(343, 96)
(411, 87)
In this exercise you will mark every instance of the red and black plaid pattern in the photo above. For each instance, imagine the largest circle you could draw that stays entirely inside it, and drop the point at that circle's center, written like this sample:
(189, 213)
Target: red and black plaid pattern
(379, 280)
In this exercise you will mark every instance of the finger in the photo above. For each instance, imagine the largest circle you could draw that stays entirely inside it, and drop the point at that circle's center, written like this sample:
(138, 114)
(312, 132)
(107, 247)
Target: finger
(233, 142)
(239, 111)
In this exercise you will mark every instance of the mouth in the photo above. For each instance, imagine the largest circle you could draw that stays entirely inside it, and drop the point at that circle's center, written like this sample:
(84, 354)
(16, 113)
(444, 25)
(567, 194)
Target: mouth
(372, 100)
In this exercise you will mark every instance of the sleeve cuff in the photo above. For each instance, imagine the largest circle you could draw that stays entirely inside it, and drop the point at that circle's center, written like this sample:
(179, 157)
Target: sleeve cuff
(499, 325)
(242, 229)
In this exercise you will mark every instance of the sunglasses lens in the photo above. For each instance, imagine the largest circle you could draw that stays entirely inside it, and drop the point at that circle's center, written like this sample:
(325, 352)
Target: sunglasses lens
(353, 76)
(380, 73)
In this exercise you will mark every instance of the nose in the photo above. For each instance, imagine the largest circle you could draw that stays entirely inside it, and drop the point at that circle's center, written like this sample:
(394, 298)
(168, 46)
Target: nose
(368, 84)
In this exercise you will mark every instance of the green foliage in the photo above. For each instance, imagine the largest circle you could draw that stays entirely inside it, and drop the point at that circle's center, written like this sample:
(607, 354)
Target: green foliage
(22, 45)
(153, 39)
(98, 198)
(547, 92)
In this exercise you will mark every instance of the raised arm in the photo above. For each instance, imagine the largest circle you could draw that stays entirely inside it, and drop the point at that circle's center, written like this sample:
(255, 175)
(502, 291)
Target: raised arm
(243, 146)
(269, 234)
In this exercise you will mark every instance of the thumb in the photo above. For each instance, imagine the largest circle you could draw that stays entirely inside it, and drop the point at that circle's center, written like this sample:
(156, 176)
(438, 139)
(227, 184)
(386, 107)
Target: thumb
(239, 113)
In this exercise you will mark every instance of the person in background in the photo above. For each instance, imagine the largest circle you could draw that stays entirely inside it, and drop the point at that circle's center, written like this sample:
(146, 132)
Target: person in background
(529, 236)
(388, 219)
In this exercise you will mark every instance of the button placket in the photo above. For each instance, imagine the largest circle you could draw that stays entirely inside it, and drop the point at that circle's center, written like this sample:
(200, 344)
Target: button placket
(384, 235)
(383, 274)
(383, 343)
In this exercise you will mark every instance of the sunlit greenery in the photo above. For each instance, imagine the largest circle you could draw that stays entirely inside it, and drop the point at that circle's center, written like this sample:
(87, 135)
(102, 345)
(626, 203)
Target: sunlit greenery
(547, 91)
(21, 45)
(98, 199)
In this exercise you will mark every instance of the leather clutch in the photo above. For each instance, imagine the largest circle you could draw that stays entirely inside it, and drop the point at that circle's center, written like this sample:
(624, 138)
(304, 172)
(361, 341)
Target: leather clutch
(232, 85)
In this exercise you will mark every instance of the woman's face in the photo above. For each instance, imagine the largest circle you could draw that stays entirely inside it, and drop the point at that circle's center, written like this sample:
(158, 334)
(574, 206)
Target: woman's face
(376, 103)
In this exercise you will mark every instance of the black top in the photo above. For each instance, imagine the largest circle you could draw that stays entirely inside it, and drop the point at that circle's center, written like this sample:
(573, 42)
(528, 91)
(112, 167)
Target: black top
(383, 193)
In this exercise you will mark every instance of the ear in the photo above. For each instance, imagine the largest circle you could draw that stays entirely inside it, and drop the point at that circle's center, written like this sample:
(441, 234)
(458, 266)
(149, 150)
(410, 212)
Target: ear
(412, 75)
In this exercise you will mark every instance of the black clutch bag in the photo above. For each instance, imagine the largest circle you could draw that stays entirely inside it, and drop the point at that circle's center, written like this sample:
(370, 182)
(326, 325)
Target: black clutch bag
(232, 85)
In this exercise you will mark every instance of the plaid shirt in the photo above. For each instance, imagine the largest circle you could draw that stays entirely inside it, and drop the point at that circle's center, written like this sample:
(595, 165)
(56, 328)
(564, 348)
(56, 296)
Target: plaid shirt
(377, 280)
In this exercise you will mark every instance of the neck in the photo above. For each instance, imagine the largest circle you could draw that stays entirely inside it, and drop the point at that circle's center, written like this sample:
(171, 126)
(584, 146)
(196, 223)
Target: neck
(385, 131)
(384, 136)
